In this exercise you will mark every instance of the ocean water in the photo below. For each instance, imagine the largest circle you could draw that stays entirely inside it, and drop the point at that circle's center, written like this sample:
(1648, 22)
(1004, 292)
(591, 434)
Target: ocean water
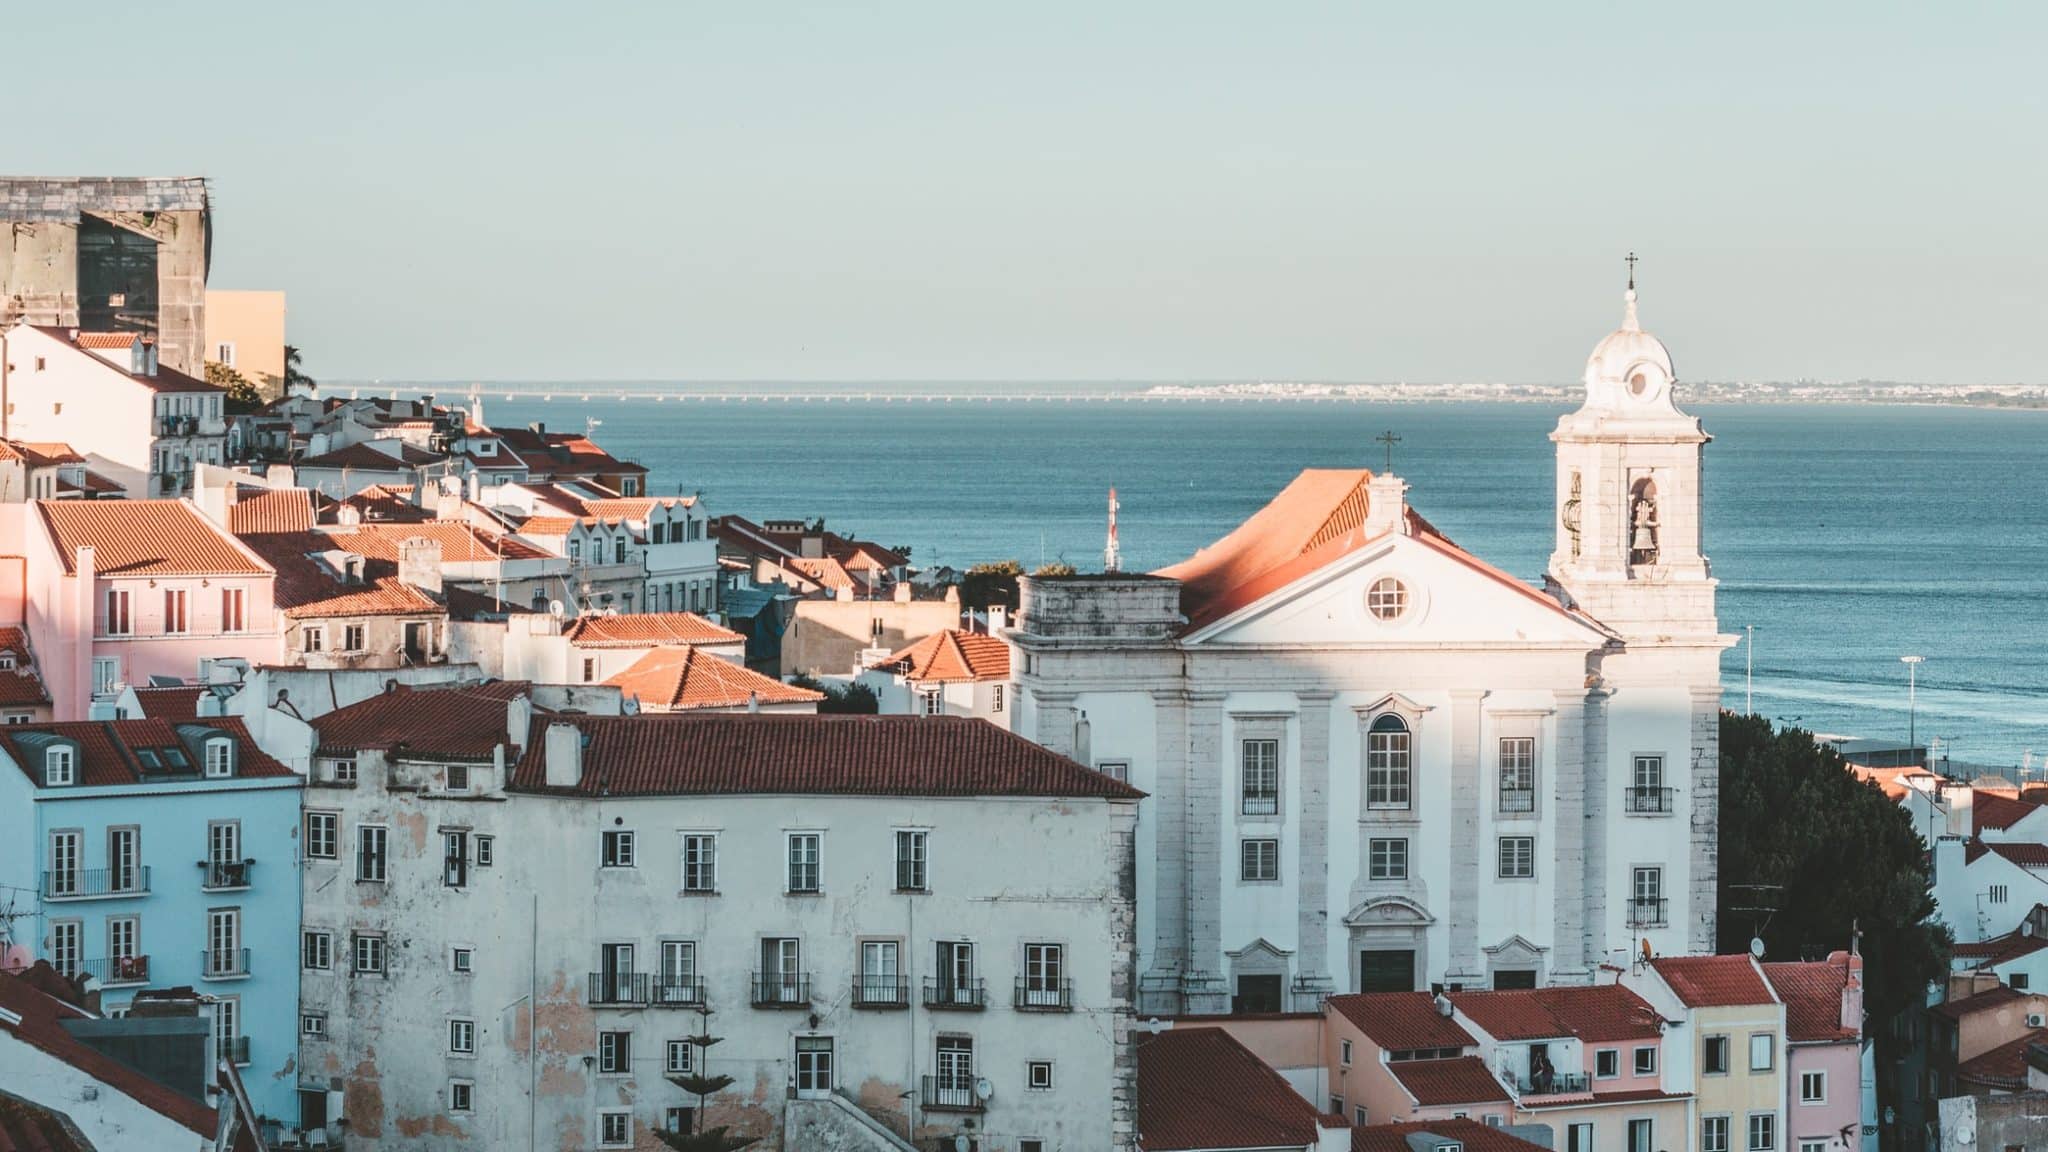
(1847, 535)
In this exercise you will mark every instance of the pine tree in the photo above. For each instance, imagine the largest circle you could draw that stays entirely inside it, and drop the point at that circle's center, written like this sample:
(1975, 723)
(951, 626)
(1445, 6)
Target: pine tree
(701, 1084)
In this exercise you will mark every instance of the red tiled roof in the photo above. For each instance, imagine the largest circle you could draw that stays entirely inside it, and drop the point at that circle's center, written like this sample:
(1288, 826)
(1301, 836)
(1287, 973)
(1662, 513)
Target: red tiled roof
(145, 538)
(1812, 992)
(46, 453)
(1713, 981)
(30, 1127)
(466, 723)
(953, 656)
(724, 753)
(107, 339)
(20, 686)
(646, 630)
(361, 457)
(307, 589)
(1462, 1080)
(460, 542)
(2023, 854)
(678, 679)
(2003, 1067)
(548, 525)
(748, 536)
(1200, 1088)
(177, 704)
(1989, 1000)
(1597, 1014)
(385, 503)
(1401, 1021)
(562, 453)
(275, 510)
(1999, 949)
(1471, 1134)
(1998, 812)
(40, 1027)
(633, 507)
(109, 750)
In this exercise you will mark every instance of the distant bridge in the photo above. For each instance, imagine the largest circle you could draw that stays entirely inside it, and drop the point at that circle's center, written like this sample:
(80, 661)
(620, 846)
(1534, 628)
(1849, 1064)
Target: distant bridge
(587, 395)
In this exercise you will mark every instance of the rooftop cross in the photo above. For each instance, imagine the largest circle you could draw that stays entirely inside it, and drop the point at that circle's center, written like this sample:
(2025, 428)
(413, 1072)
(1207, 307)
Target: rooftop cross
(1389, 439)
(1631, 271)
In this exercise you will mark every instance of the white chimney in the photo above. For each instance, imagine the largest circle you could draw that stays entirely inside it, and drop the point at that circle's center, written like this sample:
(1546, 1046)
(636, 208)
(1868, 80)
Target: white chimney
(998, 618)
(419, 563)
(564, 752)
(518, 719)
(1386, 506)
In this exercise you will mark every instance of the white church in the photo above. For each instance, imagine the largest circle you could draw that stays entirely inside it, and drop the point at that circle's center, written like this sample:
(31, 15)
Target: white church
(1375, 762)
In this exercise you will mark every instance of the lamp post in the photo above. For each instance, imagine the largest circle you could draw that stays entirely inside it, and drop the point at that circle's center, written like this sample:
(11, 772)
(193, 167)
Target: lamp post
(1912, 664)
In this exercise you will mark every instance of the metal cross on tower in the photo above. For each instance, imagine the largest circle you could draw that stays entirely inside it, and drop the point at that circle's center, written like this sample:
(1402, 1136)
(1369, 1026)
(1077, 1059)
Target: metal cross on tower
(1389, 439)
(1631, 271)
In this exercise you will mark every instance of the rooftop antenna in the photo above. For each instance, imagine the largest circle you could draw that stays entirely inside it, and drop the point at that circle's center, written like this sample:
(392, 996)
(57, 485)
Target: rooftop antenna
(1112, 555)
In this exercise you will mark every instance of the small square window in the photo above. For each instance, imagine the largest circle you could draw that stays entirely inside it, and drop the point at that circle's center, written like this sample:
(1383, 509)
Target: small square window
(462, 1037)
(618, 849)
(1646, 1061)
(459, 1096)
(615, 1129)
(1607, 1063)
(1038, 1075)
(313, 1024)
(1259, 861)
(679, 1058)
(1813, 1088)
(462, 961)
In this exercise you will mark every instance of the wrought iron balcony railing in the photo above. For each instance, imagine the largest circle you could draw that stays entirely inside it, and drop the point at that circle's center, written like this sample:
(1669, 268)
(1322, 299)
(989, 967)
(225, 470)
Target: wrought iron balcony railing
(956, 995)
(96, 883)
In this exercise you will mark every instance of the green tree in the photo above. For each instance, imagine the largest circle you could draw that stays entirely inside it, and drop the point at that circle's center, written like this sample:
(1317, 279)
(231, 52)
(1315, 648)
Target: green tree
(1836, 856)
(840, 699)
(1056, 568)
(992, 583)
(242, 393)
(703, 1085)
(294, 374)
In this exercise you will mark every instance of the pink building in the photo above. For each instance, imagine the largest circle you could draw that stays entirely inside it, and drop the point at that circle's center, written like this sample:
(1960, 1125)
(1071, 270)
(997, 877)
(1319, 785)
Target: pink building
(114, 592)
(1824, 1028)
(1400, 1056)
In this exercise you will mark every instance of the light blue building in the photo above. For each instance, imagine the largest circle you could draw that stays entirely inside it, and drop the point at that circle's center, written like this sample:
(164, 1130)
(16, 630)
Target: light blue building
(158, 854)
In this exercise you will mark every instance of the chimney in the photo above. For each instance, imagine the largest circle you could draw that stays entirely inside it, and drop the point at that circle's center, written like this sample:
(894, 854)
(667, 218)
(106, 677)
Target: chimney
(518, 720)
(901, 594)
(1852, 992)
(998, 618)
(564, 753)
(1386, 507)
(419, 563)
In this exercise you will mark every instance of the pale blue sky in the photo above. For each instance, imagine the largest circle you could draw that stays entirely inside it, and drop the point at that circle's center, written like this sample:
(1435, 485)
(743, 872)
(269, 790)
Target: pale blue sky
(1084, 191)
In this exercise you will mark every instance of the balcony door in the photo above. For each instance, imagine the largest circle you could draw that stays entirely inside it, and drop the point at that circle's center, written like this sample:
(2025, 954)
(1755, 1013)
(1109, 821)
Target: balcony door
(956, 971)
(678, 971)
(782, 970)
(617, 971)
(64, 858)
(224, 941)
(813, 1067)
(956, 1067)
(879, 975)
(124, 859)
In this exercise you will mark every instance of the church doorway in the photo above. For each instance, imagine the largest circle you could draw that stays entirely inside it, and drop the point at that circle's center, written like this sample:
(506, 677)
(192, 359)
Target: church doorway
(1386, 970)
(1257, 994)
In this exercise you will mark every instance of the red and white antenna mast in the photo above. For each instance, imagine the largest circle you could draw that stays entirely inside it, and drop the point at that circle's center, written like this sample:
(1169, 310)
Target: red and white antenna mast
(1112, 556)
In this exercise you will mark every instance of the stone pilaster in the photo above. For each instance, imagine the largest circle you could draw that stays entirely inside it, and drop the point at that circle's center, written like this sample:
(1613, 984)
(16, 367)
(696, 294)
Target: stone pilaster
(1466, 850)
(1205, 851)
(1569, 963)
(1123, 875)
(1312, 931)
(1055, 721)
(1704, 794)
(1599, 811)
(1169, 811)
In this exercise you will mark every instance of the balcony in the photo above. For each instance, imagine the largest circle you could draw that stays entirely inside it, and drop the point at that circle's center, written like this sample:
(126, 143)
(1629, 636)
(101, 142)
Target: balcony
(1044, 995)
(1649, 801)
(621, 989)
(237, 1050)
(224, 964)
(881, 992)
(118, 970)
(225, 875)
(1517, 801)
(678, 992)
(1554, 1084)
(781, 990)
(955, 995)
(1260, 804)
(177, 426)
(96, 883)
(950, 1094)
(1647, 913)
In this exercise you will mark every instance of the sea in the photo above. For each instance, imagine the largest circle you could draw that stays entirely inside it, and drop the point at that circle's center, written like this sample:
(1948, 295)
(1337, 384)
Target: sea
(1845, 536)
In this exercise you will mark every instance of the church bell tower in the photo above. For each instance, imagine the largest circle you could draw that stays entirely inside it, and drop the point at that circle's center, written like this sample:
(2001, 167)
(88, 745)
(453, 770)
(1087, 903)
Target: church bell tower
(1628, 493)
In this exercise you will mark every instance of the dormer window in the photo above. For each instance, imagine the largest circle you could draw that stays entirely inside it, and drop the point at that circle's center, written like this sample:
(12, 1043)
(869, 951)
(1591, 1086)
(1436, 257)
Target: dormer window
(7, 661)
(60, 766)
(220, 758)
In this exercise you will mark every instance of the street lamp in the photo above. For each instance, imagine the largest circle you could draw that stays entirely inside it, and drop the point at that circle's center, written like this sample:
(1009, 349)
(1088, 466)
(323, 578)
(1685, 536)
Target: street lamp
(1912, 664)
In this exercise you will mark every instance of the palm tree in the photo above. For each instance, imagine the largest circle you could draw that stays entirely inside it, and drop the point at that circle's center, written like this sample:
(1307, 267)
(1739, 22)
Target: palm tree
(293, 375)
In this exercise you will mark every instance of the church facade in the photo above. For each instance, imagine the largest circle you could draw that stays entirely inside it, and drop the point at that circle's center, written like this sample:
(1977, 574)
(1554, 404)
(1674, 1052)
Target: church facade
(1375, 762)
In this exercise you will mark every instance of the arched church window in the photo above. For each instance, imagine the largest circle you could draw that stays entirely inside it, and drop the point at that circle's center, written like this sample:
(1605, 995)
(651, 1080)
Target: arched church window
(1387, 599)
(1389, 765)
(1642, 531)
(1570, 516)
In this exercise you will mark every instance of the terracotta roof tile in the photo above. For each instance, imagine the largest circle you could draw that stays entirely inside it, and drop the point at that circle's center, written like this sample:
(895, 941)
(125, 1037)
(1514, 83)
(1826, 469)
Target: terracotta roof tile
(460, 542)
(2003, 1067)
(1812, 992)
(1714, 981)
(45, 453)
(724, 753)
(1989, 1000)
(1401, 1021)
(953, 656)
(2023, 854)
(168, 703)
(1472, 1135)
(1598, 1014)
(647, 630)
(276, 510)
(360, 457)
(1997, 812)
(679, 679)
(1999, 949)
(108, 339)
(1461, 1080)
(548, 525)
(467, 723)
(307, 589)
(40, 1026)
(1199, 1088)
(34, 1128)
(145, 538)
(21, 688)
(114, 752)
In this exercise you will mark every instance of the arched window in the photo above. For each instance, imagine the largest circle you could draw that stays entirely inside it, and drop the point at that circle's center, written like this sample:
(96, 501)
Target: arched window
(1642, 522)
(1389, 763)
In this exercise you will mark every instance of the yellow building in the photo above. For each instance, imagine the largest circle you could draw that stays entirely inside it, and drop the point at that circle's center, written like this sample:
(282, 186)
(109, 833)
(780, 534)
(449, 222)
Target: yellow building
(245, 331)
(1733, 1037)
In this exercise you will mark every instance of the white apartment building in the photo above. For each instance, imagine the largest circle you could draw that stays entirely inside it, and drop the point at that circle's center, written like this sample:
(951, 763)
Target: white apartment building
(1378, 763)
(515, 920)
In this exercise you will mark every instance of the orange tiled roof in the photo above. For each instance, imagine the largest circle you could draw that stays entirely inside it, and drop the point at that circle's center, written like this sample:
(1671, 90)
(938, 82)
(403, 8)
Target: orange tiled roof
(44, 453)
(1812, 992)
(1998, 812)
(108, 339)
(275, 510)
(548, 525)
(678, 679)
(1890, 780)
(306, 589)
(465, 723)
(1200, 1088)
(1469, 1134)
(1459, 1080)
(108, 749)
(460, 542)
(633, 507)
(1714, 981)
(145, 538)
(954, 656)
(1994, 951)
(646, 630)
(1597, 1014)
(1399, 1021)
(2003, 1067)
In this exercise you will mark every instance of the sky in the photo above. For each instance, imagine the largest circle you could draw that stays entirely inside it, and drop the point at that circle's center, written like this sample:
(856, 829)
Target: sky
(1084, 191)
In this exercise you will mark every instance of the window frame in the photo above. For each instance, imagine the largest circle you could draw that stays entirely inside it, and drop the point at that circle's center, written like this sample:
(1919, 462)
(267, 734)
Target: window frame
(803, 876)
(1389, 764)
(461, 1036)
(1643, 1068)
(325, 939)
(381, 833)
(1769, 1121)
(332, 838)
(1707, 1126)
(707, 862)
(1517, 867)
(1818, 1076)
(616, 849)
(462, 1097)
(605, 1119)
(615, 1052)
(1707, 1051)
(1769, 1051)
(1381, 866)
(913, 859)
(1251, 852)
(1031, 1070)
(1258, 776)
(1610, 1060)
(371, 945)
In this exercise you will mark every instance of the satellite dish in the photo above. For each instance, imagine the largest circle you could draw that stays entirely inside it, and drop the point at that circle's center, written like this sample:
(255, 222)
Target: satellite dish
(1155, 1025)
(1443, 1005)
(556, 609)
(983, 1090)
(1756, 947)
(1966, 1133)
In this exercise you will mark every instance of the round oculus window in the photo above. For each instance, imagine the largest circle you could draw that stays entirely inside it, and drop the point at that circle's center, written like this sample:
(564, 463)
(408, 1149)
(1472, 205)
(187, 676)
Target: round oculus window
(1387, 599)
(1638, 384)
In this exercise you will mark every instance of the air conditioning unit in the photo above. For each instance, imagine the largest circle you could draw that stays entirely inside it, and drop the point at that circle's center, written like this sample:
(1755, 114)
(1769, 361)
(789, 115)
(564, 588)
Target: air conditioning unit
(2037, 1020)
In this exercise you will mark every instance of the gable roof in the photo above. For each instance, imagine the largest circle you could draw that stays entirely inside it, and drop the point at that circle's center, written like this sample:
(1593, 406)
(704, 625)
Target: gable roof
(1459, 1080)
(1714, 981)
(306, 588)
(2026, 855)
(726, 753)
(1597, 1014)
(1199, 1088)
(647, 629)
(166, 378)
(2003, 1067)
(35, 1018)
(461, 723)
(361, 457)
(272, 510)
(1997, 812)
(144, 751)
(1998, 950)
(678, 679)
(1812, 992)
(1470, 1134)
(145, 538)
(169, 702)
(461, 542)
(1401, 1021)
(953, 656)
(1989, 1000)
